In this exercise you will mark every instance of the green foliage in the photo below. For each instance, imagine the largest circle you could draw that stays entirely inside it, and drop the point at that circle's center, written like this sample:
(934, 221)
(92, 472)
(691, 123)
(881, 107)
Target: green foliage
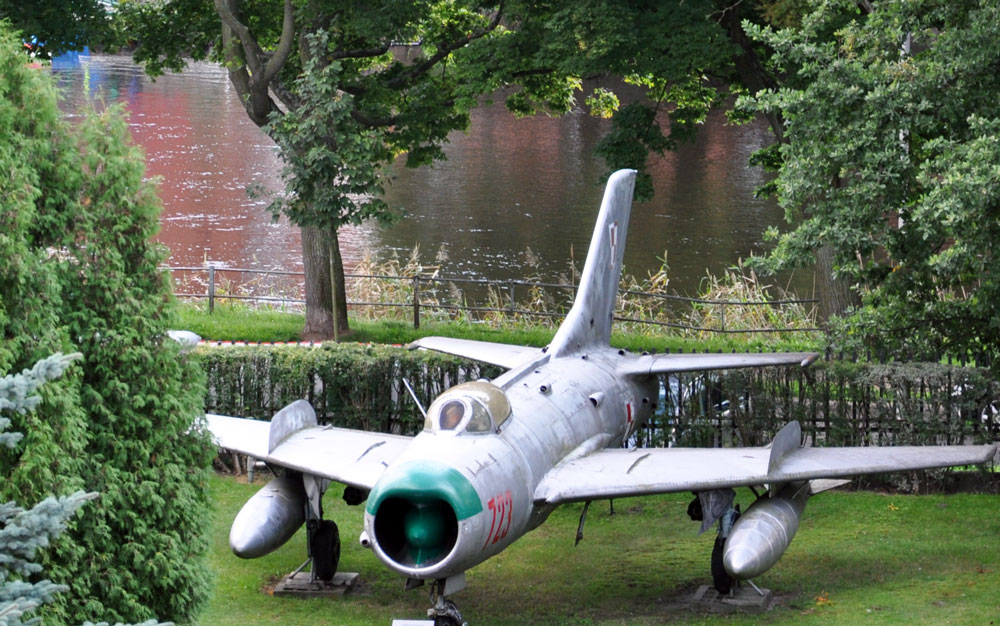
(349, 385)
(171, 32)
(23, 532)
(334, 166)
(334, 87)
(58, 25)
(667, 52)
(890, 161)
(80, 273)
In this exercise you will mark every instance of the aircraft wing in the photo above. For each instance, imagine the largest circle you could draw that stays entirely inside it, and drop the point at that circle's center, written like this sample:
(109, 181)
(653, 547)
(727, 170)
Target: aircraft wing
(352, 457)
(501, 354)
(616, 473)
(673, 363)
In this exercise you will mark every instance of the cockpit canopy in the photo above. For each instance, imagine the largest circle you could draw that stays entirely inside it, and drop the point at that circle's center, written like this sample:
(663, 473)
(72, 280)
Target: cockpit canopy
(476, 407)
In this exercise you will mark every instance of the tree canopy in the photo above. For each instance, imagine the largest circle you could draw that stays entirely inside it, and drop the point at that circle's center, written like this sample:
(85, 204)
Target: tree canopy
(59, 26)
(892, 158)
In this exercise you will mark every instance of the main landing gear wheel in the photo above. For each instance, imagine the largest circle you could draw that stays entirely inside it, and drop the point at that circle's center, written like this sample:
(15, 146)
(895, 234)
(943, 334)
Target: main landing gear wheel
(721, 579)
(326, 550)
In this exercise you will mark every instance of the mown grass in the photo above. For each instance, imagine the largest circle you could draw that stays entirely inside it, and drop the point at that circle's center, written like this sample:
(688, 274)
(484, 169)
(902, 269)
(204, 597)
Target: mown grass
(242, 323)
(858, 557)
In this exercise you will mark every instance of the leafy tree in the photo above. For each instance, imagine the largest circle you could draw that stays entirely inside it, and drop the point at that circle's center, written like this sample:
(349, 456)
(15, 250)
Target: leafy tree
(79, 273)
(59, 25)
(322, 79)
(891, 126)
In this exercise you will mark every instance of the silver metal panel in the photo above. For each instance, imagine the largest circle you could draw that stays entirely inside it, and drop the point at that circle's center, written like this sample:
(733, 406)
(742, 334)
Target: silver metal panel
(239, 434)
(269, 518)
(352, 457)
(788, 439)
(295, 417)
(501, 354)
(808, 463)
(619, 473)
(673, 363)
(588, 323)
(762, 534)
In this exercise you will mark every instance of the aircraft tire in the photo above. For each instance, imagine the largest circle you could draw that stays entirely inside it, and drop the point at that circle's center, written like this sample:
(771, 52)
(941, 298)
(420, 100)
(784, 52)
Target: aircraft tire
(721, 579)
(326, 550)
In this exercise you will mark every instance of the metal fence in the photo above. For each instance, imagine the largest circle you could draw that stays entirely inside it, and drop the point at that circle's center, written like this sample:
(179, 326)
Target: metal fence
(426, 296)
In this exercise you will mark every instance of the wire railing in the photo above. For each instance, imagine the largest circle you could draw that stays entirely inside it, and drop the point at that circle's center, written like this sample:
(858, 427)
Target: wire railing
(426, 295)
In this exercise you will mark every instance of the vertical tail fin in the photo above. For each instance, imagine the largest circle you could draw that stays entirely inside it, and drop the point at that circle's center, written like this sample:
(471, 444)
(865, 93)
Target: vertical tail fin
(589, 321)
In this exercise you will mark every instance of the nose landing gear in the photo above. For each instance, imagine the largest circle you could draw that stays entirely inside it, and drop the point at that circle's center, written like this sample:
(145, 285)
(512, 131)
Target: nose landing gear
(445, 612)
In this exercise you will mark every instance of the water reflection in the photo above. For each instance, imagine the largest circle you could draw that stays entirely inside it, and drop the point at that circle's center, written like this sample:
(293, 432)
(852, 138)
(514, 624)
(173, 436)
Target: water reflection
(507, 185)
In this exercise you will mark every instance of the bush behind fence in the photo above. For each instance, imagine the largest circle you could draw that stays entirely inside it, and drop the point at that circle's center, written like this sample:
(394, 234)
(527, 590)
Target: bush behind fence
(838, 403)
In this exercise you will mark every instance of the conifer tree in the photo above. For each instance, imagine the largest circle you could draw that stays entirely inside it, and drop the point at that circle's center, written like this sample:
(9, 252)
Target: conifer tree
(79, 273)
(24, 532)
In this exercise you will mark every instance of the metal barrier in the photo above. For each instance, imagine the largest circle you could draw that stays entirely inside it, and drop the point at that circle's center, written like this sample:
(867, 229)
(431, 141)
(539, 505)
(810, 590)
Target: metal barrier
(417, 286)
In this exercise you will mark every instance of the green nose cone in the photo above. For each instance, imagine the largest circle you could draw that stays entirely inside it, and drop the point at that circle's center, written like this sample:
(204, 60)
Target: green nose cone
(417, 509)
(424, 482)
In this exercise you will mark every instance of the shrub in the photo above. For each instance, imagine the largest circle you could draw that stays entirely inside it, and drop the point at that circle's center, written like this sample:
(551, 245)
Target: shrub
(80, 274)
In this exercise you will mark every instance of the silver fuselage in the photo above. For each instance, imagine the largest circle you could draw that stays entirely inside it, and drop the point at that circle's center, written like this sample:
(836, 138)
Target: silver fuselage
(561, 409)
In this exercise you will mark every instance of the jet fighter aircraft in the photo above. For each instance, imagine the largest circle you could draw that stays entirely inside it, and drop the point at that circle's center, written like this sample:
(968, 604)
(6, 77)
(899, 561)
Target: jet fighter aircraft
(495, 458)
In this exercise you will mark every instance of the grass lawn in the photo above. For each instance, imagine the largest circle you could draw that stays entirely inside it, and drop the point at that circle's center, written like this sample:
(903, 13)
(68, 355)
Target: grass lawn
(859, 557)
(242, 323)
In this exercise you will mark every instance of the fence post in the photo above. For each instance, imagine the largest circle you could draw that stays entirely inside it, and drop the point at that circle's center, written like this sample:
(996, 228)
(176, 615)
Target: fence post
(211, 289)
(510, 295)
(416, 302)
(722, 314)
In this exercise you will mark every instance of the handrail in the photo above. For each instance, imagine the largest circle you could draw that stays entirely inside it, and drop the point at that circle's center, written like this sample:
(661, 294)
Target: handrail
(417, 303)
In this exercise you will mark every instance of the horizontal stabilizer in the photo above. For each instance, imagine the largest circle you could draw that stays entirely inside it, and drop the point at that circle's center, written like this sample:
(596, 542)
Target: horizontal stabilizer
(501, 354)
(673, 363)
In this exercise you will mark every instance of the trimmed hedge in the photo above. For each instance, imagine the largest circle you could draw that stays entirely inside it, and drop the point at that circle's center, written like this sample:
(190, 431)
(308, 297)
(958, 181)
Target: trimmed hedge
(838, 403)
(349, 385)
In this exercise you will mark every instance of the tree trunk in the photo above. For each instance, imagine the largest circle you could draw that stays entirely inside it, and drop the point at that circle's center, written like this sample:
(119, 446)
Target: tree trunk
(340, 284)
(838, 296)
(316, 257)
(316, 262)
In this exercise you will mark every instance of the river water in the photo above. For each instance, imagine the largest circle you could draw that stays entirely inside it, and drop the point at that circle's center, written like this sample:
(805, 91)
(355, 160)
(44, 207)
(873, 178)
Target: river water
(508, 185)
